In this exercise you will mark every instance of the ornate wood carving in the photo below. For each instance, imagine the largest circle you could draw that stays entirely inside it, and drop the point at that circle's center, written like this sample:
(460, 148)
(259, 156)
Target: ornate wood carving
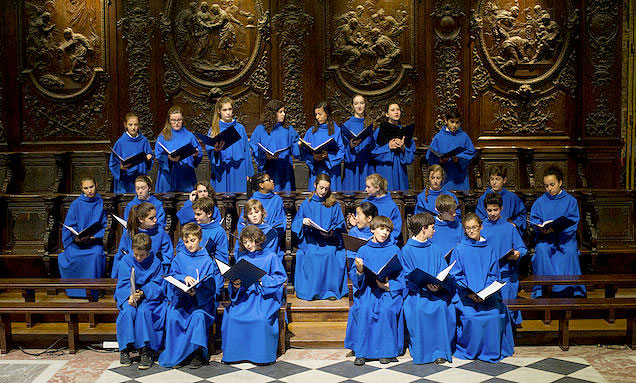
(602, 28)
(602, 121)
(43, 172)
(292, 25)
(137, 29)
(3, 132)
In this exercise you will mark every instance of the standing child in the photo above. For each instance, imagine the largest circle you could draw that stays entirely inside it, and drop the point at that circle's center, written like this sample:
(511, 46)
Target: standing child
(484, 330)
(141, 315)
(324, 161)
(143, 187)
(201, 189)
(252, 317)
(428, 310)
(231, 166)
(513, 209)
(211, 230)
(143, 219)
(274, 134)
(190, 315)
(448, 228)
(176, 174)
(129, 144)
(390, 159)
(357, 154)
(376, 187)
(426, 199)
(503, 236)
(449, 138)
(556, 252)
(321, 258)
(375, 328)
(83, 257)
(255, 214)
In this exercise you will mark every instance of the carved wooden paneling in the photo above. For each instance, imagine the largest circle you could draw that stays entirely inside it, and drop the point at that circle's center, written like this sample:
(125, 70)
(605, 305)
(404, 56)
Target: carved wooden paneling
(616, 223)
(544, 160)
(27, 219)
(95, 164)
(42, 172)
(507, 159)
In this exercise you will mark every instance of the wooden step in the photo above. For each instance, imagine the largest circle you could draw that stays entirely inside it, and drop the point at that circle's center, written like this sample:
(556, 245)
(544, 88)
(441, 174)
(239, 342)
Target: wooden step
(317, 334)
(317, 311)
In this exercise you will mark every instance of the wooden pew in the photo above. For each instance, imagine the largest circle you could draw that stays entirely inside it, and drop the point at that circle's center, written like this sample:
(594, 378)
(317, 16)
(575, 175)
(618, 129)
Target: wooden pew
(611, 282)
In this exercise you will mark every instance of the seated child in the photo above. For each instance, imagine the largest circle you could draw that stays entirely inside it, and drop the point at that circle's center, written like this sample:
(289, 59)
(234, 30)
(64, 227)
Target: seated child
(201, 189)
(141, 315)
(375, 328)
(190, 315)
(556, 252)
(129, 144)
(484, 328)
(365, 212)
(255, 214)
(211, 230)
(426, 199)
(376, 188)
(143, 187)
(503, 236)
(83, 257)
(448, 228)
(252, 318)
(513, 209)
(428, 310)
(273, 204)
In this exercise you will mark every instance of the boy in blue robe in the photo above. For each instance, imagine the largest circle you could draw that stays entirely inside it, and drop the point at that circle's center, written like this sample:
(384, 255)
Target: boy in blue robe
(357, 159)
(141, 314)
(390, 160)
(212, 233)
(556, 252)
(83, 257)
(176, 174)
(428, 310)
(448, 228)
(189, 315)
(376, 187)
(231, 166)
(449, 138)
(375, 328)
(254, 214)
(274, 134)
(503, 236)
(513, 209)
(324, 161)
(143, 187)
(484, 329)
(427, 198)
(250, 324)
(321, 258)
(129, 144)
(201, 189)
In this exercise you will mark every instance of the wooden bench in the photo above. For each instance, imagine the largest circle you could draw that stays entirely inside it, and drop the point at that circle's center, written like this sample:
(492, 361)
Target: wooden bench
(51, 285)
(611, 282)
(69, 311)
(565, 309)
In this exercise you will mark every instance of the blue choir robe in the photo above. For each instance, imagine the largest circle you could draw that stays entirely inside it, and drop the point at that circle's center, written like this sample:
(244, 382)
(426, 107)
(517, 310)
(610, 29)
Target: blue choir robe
(79, 260)
(273, 205)
(252, 317)
(387, 207)
(272, 246)
(447, 234)
(503, 236)
(331, 165)
(126, 146)
(456, 173)
(140, 325)
(157, 203)
(365, 234)
(186, 214)
(281, 169)
(556, 253)
(161, 248)
(177, 176)
(484, 330)
(320, 261)
(231, 166)
(391, 164)
(429, 316)
(214, 232)
(512, 210)
(375, 327)
(188, 319)
(357, 161)
(426, 201)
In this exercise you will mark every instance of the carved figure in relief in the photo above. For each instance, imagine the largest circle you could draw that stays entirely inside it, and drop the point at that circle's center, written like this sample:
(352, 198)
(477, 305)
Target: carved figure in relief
(185, 23)
(227, 35)
(387, 51)
(349, 43)
(77, 48)
(40, 44)
(548, 38)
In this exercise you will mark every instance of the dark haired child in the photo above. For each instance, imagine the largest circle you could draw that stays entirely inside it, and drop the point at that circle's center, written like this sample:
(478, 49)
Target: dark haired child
(129, 144)
(375, 328)
(143, 187)
(448, 228)
(513, 209)
(252, 317)
(141, 314)
(263, 186)
(201, 189)
(556, 252)
(428, 310)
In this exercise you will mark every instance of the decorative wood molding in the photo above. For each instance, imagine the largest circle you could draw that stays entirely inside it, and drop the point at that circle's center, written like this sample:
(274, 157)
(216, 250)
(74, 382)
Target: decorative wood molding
(602, 121)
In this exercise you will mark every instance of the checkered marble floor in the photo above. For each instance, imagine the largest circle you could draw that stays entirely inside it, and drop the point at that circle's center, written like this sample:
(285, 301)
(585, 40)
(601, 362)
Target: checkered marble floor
(514, 369)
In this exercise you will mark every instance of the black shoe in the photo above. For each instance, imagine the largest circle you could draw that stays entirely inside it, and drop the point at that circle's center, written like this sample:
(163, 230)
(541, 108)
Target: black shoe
(440, 361)
(124, 358)
(385, 360)
(359, 362)
(146, 359)
(197, 360)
